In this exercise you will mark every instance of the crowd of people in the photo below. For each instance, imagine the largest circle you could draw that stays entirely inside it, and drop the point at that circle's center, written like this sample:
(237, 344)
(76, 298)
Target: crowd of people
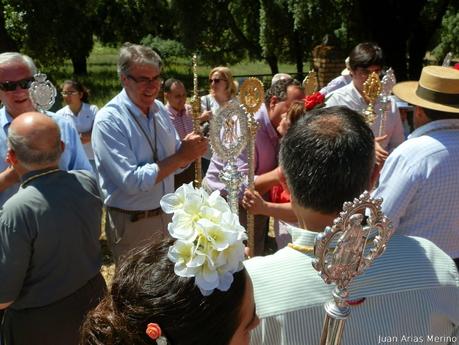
(181, 273)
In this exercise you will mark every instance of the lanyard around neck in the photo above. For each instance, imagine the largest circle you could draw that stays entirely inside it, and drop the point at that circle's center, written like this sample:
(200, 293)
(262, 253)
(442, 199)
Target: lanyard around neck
(153, 148)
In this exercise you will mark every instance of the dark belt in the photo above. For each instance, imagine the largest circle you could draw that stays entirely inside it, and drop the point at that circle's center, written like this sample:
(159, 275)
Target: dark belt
(138, 215)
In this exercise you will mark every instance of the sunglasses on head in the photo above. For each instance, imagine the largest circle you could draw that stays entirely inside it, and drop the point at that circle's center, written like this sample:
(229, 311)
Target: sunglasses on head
(215, 80)
(12, 85)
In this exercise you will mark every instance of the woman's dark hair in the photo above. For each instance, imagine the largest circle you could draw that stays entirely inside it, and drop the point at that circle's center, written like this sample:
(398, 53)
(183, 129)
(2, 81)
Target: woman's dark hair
(145, 289)
(78, 87)
(365, 55)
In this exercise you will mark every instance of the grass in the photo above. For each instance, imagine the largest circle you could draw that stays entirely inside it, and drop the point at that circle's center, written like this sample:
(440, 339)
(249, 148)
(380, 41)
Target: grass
(103, 83)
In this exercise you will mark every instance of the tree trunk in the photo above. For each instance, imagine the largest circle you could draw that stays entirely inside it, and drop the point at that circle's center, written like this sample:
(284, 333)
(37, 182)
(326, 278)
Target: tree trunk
(272, 62)
(79, 65)
(299, 53)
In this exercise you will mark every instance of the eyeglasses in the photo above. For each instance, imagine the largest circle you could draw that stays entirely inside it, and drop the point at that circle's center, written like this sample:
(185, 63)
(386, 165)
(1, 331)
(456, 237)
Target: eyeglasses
(143, 81)
(367, 71)
(12, 85)
(215, 80)
(69, 93)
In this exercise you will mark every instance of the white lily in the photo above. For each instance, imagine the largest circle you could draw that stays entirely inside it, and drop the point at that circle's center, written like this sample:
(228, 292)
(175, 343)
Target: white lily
(209, 237)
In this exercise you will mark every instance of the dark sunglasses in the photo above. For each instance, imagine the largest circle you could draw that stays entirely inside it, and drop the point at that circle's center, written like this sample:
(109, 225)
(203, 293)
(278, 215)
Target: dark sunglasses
(12, 85)
(215, 80)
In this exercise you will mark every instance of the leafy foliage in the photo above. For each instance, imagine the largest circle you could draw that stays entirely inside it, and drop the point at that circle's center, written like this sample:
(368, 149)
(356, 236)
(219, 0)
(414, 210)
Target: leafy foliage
(169, 50)
(449, 34)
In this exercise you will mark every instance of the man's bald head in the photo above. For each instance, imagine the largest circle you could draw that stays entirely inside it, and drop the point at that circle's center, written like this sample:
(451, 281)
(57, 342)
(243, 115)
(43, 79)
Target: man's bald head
(35, 139)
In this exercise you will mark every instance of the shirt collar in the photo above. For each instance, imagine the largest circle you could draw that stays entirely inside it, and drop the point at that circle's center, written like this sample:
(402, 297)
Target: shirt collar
(434, 126)
(174, 112)
(134, 108)
(302, 237)
(5, 118)
(30, 174)
(264, 117)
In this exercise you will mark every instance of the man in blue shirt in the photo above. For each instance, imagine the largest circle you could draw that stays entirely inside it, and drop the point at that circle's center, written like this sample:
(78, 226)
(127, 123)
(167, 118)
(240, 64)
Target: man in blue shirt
(420, 182)
(16, 76)
(137, 152)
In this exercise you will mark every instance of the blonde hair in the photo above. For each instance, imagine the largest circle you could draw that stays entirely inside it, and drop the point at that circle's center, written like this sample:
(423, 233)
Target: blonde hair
(231, 86)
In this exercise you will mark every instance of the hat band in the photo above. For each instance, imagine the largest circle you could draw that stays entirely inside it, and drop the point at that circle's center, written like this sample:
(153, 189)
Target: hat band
(437, 97)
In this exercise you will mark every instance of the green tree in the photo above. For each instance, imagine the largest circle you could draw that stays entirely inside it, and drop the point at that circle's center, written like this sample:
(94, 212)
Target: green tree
(449, 33)
(130, 20)
(51, 31)
(223, 32)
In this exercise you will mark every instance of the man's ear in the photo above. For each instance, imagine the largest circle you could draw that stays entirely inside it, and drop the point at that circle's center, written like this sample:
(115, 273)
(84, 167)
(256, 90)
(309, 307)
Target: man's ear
(374, 176)
(11, 157)
(283, 179)
(272, 102)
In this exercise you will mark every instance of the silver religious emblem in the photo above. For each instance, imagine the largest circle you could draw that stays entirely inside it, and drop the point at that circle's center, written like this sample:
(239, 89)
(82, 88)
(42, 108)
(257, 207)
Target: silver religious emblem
(344, 251)
(447, 59)
(42, 93)
(387, 84)
(228, 137)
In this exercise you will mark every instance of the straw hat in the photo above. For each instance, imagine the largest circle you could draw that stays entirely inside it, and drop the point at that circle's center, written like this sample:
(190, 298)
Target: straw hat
(437, 89)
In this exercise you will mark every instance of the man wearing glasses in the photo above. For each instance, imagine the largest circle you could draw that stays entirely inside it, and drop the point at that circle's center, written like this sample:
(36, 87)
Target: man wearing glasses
(16, 76)
(137, 152)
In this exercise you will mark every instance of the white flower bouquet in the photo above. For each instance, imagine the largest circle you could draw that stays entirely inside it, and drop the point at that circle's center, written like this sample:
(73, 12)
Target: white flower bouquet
(209, 238)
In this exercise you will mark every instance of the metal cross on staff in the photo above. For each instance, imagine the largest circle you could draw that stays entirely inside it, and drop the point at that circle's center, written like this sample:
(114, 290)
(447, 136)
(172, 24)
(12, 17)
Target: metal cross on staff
(346, 250)
(251, 96)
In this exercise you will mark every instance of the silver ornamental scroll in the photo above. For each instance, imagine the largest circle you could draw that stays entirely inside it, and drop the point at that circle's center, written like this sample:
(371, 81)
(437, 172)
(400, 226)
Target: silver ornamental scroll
(228, 137)
(346, 250)
(42, 93)
(387, 84)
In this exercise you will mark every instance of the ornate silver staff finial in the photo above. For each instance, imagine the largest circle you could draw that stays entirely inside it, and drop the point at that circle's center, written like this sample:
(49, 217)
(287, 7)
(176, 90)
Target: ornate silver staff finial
(42, 93)
(447, 60)
(387, 84)
(228, 137)
(344, 251)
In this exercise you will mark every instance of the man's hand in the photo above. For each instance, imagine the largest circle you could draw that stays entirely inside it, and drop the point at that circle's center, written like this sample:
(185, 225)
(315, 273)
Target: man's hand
(85, 137)
(205, 116)
(253, 202)
(8, 177)
(381, 154)
(193, 146)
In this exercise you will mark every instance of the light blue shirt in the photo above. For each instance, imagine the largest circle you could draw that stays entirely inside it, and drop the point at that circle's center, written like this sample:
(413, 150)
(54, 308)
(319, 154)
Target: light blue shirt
(420, 185)
(412, 289)
(124, 158)
(73, 157)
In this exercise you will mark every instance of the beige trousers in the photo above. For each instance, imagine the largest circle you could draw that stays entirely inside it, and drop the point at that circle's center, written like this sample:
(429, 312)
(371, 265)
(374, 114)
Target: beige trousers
(124, 235)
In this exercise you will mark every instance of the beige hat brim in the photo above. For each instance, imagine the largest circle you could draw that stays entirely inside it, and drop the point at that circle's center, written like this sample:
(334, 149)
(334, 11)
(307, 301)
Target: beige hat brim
(406, 91)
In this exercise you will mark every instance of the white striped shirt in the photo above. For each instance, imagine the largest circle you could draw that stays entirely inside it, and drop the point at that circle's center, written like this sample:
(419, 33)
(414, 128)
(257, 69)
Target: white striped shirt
(412, 290)
(350, 97)
(420, 185)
